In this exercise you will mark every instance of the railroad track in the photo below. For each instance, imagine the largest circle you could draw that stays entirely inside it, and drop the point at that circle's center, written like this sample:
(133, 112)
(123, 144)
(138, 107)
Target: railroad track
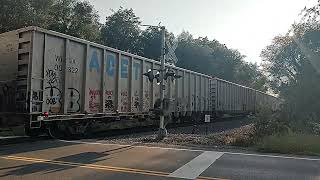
(222, 124)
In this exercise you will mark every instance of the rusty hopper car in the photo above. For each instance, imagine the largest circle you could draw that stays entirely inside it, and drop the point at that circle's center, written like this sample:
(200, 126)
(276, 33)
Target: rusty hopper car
(66, 84)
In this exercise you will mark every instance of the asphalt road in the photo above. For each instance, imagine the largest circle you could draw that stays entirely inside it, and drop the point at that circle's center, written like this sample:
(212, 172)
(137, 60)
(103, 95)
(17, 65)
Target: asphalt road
(55, 159)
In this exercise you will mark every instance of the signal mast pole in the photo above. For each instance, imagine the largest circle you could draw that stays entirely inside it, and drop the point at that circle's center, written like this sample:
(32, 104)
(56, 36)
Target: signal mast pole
(162, 71)
(162, 131)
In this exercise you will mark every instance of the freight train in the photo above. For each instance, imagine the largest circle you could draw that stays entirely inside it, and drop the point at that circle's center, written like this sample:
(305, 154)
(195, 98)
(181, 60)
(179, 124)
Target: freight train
(66, 85)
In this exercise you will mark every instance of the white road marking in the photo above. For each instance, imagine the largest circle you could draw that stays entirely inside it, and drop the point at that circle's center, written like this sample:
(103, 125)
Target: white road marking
(274, 156)
(139, 146)
(196, 166)
(195, 150)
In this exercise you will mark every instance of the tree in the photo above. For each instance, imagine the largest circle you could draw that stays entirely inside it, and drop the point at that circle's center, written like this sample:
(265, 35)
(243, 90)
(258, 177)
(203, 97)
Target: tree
(214, 58)
(289, 62)
(122, 31)
(249, 74)
(76, 18)
(73, 17)
(150, 42)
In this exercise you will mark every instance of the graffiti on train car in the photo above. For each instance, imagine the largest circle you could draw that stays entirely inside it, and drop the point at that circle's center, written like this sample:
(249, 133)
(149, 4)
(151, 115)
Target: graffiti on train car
(135, 101)
(58, 66)
(36, 95)
(94, 62)
(73, 94)
(146, 100)
(94, 100)
(109, 104)
(53, 98)
(124, 101)
(7, 95)
(74, 100)
(94, 92)
(72, 66)
(110, 65)
(36, 98)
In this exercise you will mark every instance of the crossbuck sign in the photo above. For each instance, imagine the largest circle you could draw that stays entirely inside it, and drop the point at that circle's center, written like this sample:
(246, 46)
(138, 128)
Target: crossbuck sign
(171, 56)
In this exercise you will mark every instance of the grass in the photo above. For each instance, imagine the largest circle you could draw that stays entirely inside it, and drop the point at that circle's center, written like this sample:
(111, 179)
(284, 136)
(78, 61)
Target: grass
(291, 144)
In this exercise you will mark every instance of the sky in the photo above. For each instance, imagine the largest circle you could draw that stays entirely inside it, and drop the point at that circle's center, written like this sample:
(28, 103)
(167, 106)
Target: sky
(245, 25)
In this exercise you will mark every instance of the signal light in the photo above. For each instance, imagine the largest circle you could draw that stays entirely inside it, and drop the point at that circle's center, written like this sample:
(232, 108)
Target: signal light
(177, 76)
(172, 74)
(157, 76)
(150, 75)
(46, 114)
(168, 73)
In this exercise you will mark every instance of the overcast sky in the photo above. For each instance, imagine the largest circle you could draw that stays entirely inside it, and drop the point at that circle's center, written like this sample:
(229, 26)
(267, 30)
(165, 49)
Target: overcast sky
(246, 25)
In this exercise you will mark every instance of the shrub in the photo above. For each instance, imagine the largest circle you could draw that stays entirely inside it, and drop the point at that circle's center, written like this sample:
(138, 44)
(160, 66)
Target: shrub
(267, 122)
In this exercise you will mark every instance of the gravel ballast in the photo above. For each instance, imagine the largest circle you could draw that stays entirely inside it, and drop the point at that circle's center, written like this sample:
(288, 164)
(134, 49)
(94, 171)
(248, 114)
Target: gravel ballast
(224, 133)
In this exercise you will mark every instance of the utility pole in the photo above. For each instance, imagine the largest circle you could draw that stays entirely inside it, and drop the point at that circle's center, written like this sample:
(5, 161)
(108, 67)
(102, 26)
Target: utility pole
(162, 130)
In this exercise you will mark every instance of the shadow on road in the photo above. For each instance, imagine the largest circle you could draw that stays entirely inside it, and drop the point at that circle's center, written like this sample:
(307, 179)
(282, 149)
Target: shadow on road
(47, 168)
(32, 146)
(83, 158)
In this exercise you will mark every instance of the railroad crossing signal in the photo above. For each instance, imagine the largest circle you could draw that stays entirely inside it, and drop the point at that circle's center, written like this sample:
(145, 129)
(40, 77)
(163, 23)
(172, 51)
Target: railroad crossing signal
(171, 56)
(152, 76)
(168, 73)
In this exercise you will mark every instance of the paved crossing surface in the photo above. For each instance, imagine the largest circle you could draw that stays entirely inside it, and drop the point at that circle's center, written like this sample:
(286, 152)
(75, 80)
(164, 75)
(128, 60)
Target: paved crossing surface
(55, 159)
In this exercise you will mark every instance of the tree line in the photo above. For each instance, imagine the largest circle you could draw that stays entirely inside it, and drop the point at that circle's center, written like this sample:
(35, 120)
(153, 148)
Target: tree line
(292, 64)
(122, 30)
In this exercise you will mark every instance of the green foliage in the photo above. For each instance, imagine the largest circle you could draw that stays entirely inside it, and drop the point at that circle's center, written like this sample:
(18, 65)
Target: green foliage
(293, 68)
(293, 75)
(80, 19)
(150, 42)
(73, 17)
(248, 74)
(291, 144)
(209, 57)
(267, 122)
(122, 31)
(214, 58)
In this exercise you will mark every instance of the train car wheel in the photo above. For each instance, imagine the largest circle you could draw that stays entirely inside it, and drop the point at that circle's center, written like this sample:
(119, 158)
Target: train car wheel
(33, 132)
(55, 132)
